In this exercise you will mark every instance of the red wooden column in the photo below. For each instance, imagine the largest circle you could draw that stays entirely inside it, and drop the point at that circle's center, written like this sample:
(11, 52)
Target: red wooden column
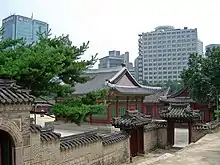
(138, 141)
(136, 103)
(127, 103)
(153, 110)
(109, 110)
(170, 133)
(142, 106)
(0, 155)
(116, 106)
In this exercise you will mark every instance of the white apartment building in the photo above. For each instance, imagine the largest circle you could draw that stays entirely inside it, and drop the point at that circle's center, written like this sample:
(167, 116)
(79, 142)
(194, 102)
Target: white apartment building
(164, 52)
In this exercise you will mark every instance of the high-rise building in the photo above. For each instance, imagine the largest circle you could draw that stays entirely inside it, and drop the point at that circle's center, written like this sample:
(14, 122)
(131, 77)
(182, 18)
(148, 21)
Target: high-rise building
(16, 26)
(114, 59)
(164, 52)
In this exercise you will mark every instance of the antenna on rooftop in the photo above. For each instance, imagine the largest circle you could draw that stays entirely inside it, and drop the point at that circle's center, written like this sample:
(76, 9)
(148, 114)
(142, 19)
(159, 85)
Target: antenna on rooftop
(32, 15)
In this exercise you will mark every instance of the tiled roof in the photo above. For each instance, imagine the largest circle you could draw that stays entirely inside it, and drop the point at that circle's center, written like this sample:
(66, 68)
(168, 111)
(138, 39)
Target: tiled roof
(114, 138)
(179, 112)
(10, 93)
(46, 134)
(181, 96)
(97, 83)
(131, 119)
(128, 84)
(177, 100)
(73, 141)
(135, 90)
(35, 128)
(208, 126)
(155, 98)
(49, 135)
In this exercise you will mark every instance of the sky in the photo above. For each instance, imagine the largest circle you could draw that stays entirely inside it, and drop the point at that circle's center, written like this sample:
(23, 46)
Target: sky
(115, 24)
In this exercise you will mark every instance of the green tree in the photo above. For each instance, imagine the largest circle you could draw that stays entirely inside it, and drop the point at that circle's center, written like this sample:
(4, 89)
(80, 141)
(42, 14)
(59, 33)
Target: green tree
(34, 65)
(77, 110)
(203, 77)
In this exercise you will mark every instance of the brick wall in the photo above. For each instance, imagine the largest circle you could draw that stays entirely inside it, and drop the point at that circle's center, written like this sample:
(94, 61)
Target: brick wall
(97, 153)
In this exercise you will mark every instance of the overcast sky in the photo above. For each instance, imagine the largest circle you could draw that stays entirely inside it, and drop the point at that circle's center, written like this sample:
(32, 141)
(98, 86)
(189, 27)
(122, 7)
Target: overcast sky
(115, 24)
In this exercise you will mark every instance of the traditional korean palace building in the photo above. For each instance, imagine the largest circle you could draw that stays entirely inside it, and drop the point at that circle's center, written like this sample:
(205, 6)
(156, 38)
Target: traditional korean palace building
(154, 103)
(124, 93)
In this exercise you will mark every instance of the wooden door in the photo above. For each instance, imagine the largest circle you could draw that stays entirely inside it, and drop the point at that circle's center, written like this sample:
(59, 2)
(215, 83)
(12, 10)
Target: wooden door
(0, 155)
(170, 133)
(141, 140)
(133, 143)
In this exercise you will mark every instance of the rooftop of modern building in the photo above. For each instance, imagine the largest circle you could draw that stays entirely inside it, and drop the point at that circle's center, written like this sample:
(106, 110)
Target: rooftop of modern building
(17, 15)
(166, 28)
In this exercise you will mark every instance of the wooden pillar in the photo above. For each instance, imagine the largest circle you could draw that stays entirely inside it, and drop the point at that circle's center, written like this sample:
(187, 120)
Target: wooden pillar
(116, 106)
(0, 155)
(127, 103)
(136, 103)
(109, 110)
(153, 110)
(190, 131)
(131, 147)
(170, 133)
(138, 140)
(142, 105)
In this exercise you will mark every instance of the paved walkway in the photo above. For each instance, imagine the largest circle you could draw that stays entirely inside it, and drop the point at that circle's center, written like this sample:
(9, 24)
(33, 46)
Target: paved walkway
(204, 152)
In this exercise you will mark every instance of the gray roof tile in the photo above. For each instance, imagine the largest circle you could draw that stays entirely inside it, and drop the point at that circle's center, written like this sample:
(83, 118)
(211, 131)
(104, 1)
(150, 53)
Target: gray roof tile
(179, 112)
(10, 93)
(97, 83)
(131, 119)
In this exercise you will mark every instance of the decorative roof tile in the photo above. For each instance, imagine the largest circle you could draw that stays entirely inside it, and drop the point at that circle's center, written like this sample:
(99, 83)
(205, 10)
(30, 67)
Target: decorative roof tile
(131, 119)
(48, 135)
(181, 96)
(155, 98)
(177, 100)
(97, 82)
(180, 112)
(208, 126)
(114, 138)
(125, 83)
(35, 128)
(10, 93)
(72, 141)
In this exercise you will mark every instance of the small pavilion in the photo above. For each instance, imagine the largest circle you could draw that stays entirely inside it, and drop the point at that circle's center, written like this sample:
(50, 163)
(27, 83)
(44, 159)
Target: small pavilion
(133, 122)
(179, 113)
(125, 93)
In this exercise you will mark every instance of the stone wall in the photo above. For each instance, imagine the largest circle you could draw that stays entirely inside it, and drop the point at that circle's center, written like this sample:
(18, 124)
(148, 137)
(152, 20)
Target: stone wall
(155, 136)
(200, 130)
(82, 149)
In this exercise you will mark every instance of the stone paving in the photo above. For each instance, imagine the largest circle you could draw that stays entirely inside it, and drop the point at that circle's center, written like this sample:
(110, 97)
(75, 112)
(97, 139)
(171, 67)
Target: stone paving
(204, 152)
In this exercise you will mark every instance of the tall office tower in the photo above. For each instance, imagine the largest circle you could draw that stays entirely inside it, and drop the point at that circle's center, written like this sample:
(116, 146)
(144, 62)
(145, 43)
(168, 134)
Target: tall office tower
(16, 26)
(114, 59)
(164, 52)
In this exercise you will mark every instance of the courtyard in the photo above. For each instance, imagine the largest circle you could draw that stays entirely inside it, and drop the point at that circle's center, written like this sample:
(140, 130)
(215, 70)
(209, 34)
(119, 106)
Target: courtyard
(206, 151)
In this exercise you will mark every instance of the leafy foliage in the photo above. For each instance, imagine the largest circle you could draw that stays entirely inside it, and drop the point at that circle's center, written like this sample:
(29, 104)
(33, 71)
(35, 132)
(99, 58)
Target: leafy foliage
(34, 65)
(217, 114)
(203, 77)
(76, 110)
